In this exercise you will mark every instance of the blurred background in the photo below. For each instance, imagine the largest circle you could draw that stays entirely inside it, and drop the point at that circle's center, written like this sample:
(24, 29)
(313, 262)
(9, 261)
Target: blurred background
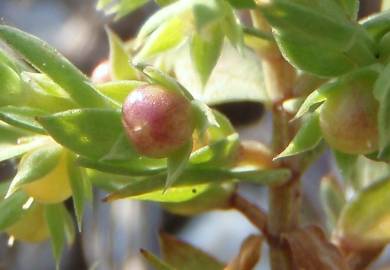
(114, 233)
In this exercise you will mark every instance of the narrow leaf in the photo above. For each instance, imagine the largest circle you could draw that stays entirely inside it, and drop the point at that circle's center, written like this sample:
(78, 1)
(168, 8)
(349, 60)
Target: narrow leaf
(119, 59)
(22, 117)
(11, 209)
(205, 51)
(8, 151)
(47, 60)
(307, 138)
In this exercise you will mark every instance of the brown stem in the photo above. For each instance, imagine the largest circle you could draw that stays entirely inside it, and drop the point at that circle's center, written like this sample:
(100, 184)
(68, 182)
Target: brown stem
(252, 212)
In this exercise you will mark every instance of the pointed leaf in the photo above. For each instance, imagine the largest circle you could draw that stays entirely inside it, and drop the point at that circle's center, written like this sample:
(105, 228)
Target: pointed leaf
(22, 117)
(125, 7)
(377, 24)
(166, 37)
(81, 188)
(242, 3)
(56, 219)
(85, 129)
(182, 255)
(14, 150)
(10, 134)
(119, 59)
(205, 51)
(11, 209)
(307, 138)
(49, 61)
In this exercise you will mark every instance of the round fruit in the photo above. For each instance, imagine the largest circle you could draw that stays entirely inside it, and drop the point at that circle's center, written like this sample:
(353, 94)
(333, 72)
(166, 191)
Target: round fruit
(54, 187)
(31, 227)
(157, 121)
(348, 118)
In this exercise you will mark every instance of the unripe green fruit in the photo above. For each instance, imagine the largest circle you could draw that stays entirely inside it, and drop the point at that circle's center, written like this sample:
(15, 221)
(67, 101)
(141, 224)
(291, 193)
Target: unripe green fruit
(157, 121)
(348, 118)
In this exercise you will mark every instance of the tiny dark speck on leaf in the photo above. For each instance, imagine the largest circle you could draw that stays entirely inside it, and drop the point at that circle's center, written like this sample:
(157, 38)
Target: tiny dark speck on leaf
(194, 190)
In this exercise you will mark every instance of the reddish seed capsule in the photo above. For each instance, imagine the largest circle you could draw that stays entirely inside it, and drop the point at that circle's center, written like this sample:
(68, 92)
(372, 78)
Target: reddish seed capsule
(157, 121)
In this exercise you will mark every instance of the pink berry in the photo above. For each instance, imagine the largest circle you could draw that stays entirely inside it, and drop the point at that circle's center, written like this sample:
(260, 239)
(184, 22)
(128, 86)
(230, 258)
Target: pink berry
(157, 121)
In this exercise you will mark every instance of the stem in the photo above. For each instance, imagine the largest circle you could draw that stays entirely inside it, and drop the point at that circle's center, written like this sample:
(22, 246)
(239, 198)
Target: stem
(284, 200)
(252, 212)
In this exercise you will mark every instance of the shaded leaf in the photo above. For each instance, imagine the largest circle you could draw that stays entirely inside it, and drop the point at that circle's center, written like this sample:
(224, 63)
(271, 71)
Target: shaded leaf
(22, 117)
(47, 60)
(377, 24)
(11, 86)
(242, 3)
(182, 255)
(10, 134)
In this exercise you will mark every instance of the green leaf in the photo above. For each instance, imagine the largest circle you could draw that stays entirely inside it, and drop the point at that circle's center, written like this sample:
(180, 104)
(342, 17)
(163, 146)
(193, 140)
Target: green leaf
(11, 88)
(207, 12)
(154, 261)
(158, 77)
(42, 93)
(177, 162)
(384, 48)
(35, 165)
(22, 117)
(14, 150)
(126, 6)
(135, 167)
(204, 117)
(166, 37)
(161, 16)
(382, 94)
(307, 138)
(10, 134)
(57, 220)
(220, 153)
(119, 90)
(350, 7)
(364, 221)
(182, 255)
(6, 59)
(47, 60)
(303, 29)
(81, 188)
(216, 196)
(197, 176)
(164, 2)
(315, 99)
(242, 81)
(205, 51)
(11, 209)
(385, 4)
(101, 4)
(332, 199)
(84, 129)
(233, 29)
(378, 24)
(242, 3)
(119, 59)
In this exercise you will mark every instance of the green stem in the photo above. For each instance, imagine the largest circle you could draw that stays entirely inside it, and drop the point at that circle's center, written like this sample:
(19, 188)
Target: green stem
(257, 33)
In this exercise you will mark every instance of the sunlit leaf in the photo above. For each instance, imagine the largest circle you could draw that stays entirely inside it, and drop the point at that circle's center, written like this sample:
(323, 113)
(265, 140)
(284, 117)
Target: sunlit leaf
(119, 59)
(205, 51)
(11, 86)
(85, 129)
(118, 90)
(22, 117)
(377, 24)
(8, 151)
(10, 134)
(52, 63)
